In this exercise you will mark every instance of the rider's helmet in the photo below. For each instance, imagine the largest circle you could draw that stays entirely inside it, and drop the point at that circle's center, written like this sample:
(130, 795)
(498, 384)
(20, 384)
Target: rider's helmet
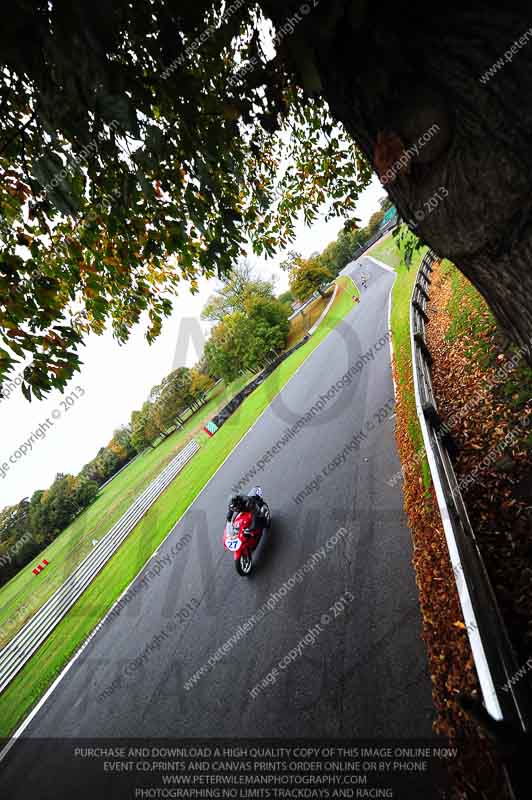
(237, 502)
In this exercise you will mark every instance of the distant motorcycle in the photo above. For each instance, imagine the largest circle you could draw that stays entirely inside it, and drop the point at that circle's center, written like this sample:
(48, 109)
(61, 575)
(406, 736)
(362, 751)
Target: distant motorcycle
(238, 539)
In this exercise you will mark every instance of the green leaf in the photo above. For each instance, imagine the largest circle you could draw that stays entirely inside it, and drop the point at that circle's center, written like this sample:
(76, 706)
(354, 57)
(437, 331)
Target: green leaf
(26, 391)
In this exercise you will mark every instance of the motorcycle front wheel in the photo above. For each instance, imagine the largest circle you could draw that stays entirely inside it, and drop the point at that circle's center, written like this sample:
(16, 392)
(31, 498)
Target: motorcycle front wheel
(243, 564)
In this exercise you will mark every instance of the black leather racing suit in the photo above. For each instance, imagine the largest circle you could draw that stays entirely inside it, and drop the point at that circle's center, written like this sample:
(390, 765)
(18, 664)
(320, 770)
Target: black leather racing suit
(251, 504)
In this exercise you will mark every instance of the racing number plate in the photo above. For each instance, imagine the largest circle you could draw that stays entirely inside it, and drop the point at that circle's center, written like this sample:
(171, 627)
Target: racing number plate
(232, 543)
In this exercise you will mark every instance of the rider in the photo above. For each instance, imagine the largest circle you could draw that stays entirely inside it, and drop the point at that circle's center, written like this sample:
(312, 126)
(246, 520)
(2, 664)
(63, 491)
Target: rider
(239, 503)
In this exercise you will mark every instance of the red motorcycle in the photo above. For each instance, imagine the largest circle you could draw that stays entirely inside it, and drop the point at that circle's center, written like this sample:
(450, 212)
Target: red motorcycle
(239, 541)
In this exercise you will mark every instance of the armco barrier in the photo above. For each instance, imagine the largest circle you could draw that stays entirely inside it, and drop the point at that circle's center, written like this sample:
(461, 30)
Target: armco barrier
(24, 644)
(494, 657)
(304, 306)
(324, 288)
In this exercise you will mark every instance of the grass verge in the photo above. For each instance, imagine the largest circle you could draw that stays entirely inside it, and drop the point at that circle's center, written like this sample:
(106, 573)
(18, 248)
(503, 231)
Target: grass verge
(392, 252)
(386, 250)
(32, 681)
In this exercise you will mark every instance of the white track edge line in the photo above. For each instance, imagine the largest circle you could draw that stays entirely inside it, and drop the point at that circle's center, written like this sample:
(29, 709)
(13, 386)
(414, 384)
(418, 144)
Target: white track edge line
(324, 312)
(391, 338)
(381, 264)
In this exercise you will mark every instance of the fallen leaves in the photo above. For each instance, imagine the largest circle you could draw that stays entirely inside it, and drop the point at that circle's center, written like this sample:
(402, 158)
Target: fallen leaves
(443, 630)
(492, 439)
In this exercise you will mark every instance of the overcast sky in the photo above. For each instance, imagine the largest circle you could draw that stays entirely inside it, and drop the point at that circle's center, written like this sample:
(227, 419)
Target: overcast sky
(117, 379)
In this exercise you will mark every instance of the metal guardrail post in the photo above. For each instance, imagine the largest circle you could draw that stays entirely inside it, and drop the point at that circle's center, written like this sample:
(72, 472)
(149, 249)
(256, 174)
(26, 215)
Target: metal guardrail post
(419, 308)
(422, 290)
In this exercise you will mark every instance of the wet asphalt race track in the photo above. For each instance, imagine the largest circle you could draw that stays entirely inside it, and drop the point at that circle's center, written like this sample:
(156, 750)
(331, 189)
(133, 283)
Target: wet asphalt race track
(361, 673)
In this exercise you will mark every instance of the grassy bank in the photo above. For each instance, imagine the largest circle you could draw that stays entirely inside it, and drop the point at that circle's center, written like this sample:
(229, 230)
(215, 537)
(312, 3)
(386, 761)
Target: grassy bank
(387, 250)
(469, 315)
(25, 690)
(300, 325)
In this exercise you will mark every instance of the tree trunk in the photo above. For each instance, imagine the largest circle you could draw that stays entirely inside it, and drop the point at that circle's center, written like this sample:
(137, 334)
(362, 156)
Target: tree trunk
(391, 74)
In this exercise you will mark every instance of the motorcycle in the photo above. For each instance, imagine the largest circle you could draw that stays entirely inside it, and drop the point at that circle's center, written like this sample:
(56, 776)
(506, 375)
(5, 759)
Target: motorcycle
(240, 543)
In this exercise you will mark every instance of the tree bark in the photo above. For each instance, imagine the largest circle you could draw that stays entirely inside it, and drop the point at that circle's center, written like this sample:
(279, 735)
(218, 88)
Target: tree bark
(393, 73)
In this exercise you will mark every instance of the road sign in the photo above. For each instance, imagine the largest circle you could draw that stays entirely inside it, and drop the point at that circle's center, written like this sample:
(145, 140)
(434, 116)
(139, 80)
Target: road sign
(392, 211)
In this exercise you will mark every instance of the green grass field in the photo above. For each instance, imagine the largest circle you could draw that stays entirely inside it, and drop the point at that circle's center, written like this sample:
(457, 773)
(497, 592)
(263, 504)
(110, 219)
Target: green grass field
(29, 685)
(386, 250)
(393, 254)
